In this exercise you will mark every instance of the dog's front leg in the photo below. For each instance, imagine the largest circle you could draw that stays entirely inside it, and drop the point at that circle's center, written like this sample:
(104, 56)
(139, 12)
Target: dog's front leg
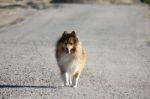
(70, 80)
(66, 79)
(75, 80)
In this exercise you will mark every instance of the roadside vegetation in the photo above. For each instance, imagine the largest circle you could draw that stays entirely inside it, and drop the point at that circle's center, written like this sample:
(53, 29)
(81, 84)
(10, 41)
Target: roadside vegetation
(12, 10)
(146, 1)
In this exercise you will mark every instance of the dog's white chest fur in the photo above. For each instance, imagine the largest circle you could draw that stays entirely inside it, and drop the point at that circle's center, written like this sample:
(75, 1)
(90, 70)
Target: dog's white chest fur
(69, 62)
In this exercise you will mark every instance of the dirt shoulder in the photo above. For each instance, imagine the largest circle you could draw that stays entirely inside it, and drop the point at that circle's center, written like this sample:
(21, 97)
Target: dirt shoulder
(12, 11)
(11, 16)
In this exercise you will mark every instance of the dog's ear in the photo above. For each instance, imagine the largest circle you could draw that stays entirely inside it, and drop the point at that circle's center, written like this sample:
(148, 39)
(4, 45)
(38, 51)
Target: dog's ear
(73, 33)
(65, 33)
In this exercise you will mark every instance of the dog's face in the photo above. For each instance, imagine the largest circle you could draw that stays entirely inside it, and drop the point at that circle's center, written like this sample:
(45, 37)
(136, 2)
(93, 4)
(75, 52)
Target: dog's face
(69, 41)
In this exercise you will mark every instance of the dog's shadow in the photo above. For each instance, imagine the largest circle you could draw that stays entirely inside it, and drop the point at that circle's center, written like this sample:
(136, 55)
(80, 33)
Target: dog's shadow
(29, 86)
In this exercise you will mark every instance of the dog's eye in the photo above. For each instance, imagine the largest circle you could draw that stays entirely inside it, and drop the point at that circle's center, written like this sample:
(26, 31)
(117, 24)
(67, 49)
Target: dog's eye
(70, 43)
(65, 43)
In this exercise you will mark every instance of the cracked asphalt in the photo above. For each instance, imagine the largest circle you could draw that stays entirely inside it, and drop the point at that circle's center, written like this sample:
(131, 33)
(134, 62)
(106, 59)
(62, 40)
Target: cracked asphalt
(117, 40)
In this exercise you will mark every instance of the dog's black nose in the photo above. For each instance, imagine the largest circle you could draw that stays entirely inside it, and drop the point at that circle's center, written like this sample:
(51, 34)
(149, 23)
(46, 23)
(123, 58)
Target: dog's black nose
(67, 50)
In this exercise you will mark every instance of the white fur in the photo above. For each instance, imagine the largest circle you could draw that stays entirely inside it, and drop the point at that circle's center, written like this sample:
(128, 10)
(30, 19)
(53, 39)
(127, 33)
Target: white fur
(66, 78)
(71, 64)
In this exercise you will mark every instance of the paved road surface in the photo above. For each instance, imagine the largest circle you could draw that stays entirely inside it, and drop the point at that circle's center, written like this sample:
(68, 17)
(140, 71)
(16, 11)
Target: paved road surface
(117, 39)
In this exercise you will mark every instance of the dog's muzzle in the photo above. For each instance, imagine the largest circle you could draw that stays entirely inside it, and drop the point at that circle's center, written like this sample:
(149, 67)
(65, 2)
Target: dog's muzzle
(67, 50)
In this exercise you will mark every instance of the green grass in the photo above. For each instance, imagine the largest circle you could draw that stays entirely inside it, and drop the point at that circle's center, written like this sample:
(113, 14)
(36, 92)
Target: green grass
(146, 1)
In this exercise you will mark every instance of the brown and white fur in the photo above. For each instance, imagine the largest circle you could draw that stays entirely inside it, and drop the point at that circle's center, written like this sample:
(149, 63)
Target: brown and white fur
(71, 58)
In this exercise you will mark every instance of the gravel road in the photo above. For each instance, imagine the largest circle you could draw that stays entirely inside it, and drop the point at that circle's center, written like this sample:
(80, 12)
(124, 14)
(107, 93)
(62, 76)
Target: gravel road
(117, 40)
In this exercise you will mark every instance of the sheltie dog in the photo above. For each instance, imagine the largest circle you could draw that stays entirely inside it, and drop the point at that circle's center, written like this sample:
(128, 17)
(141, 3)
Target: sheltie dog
(71, 58)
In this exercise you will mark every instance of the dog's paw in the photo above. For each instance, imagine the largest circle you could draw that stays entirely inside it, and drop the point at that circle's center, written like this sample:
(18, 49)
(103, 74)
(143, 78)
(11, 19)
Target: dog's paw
(67, 84)
(74, 86)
